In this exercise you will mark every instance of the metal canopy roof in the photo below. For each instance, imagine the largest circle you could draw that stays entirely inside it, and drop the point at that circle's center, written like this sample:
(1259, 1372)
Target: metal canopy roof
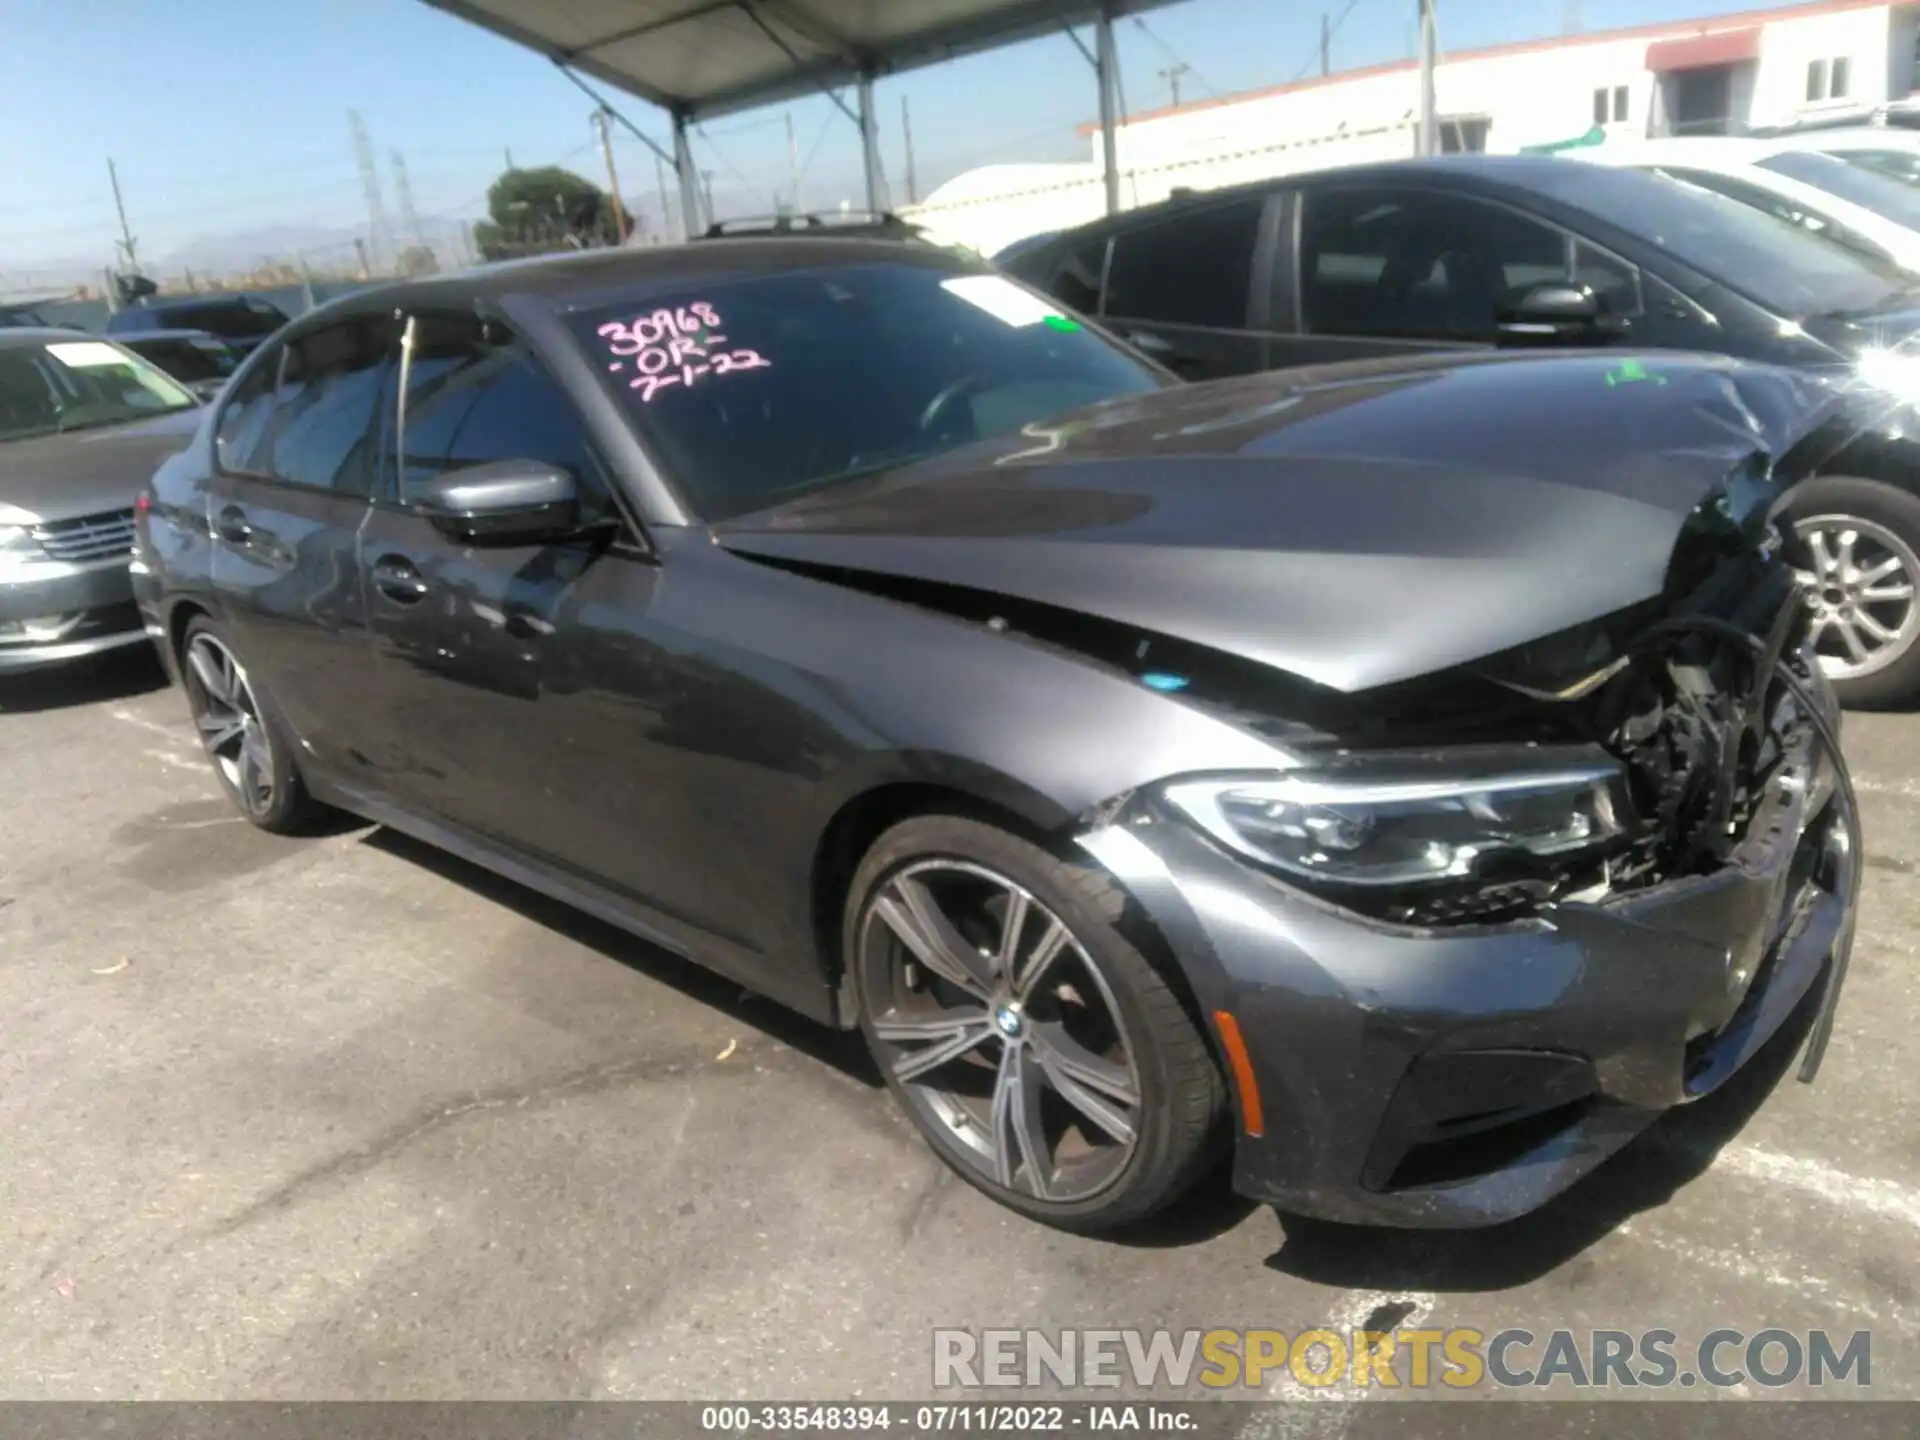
(702, 58)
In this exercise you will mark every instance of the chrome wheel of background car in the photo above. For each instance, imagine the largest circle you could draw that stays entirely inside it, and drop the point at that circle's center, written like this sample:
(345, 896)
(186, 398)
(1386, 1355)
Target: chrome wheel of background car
(1861, 588)
(231, 725)
(998, 1024)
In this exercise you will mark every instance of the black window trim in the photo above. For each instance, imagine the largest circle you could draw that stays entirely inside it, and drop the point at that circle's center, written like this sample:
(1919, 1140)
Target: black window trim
(1303, 196)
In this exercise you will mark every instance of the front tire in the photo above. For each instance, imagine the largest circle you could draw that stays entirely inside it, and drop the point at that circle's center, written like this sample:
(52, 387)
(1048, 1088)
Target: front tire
(1045, 1059)
(1857, 548)
(242, 733)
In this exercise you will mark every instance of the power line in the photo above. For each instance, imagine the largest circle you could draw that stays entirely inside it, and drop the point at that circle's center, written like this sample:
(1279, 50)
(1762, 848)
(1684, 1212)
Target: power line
(1177, 58)
(1326, 40)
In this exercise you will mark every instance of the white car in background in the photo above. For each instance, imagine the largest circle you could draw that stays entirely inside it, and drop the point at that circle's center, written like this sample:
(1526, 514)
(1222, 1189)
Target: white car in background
(1890, 150)
(1861, 208)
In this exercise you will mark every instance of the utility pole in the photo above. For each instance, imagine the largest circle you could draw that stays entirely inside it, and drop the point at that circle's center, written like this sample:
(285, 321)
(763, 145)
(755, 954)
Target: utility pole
(600, 120)
(126, 235)
(793, 168)
(1172, 76)
(509, 153)
(360, 249)
(403, 191)
(666, 200)
(1326, 45)
(379, 233)
(1427, 138)
(1570, 22)
(906, 134)
(706, 186)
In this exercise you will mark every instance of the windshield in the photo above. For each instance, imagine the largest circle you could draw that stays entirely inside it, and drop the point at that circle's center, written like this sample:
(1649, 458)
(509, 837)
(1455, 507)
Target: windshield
(1879, 193)
(242, 320)
(188, 360)
(78, 384)
(1903, 165)
(755, 388)
(1786, 269)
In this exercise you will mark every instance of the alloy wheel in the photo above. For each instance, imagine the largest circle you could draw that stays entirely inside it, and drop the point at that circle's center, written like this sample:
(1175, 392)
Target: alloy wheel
(1861, 589)
(230, 722)
(999, 1027)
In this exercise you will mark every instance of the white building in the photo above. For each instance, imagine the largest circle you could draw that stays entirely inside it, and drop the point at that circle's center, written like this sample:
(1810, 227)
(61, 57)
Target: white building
(1726, 75)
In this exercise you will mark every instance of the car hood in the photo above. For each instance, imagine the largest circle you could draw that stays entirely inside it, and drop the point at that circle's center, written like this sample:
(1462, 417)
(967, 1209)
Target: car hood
(1353, 525)
(54, 477)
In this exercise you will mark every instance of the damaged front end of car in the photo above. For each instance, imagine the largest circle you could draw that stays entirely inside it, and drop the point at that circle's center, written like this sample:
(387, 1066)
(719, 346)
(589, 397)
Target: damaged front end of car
(1543, 896)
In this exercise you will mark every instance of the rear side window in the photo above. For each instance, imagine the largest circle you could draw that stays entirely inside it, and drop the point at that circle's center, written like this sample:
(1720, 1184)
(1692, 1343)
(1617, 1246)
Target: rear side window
(242, 319)
(476, 394)
(240, 441)
(311, 415)
(1194, 268)
(1416, 264)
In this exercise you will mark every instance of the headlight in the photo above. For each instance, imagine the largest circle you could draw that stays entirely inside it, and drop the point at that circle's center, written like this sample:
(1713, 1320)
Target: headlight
(18, 547)
(1434, 835)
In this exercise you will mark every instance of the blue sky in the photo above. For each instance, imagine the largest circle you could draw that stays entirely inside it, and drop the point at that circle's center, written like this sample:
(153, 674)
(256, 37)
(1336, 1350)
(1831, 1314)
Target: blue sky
(230, 115)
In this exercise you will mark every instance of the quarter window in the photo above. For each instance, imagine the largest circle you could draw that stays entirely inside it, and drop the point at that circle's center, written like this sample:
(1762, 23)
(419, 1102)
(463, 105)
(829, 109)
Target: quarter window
(1377, 262)
(1193, 268)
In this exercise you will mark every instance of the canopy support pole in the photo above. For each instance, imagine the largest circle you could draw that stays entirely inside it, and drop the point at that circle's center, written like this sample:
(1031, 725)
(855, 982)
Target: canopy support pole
(1106, 72)
(870, 147)
(689, 177)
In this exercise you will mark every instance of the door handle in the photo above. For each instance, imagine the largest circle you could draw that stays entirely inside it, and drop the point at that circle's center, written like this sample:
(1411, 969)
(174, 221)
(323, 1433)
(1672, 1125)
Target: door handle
(231, 526)
(398, 580)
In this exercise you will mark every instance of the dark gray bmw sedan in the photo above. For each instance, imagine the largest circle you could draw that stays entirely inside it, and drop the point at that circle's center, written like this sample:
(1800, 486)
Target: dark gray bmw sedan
(1412, 775)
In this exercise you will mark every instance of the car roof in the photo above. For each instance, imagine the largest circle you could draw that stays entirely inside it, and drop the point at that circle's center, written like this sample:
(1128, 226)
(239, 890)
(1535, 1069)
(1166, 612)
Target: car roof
(160, 305)
(581, 275)
(140, 337)
(28, 337)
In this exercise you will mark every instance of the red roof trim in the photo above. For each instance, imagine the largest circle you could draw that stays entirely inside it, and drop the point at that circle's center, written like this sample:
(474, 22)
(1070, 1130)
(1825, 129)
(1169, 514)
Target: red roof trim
(1675, 30)
(1694, 52)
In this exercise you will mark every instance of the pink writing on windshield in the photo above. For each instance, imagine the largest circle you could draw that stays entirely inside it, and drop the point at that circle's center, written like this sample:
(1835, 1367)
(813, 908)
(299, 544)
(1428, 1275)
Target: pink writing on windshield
(674, 347)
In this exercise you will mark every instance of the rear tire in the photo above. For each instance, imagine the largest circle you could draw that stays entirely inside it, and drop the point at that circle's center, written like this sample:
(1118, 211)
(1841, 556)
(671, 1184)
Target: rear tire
(1057, 1071)
(243, 733)
(1856, 542)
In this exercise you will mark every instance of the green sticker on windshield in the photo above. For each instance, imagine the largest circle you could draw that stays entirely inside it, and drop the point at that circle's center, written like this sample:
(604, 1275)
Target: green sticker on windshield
(1629, 371)
(1060, 322)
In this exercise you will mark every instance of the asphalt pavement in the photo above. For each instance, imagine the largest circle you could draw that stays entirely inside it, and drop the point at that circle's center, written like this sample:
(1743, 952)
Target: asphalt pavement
(347, 1118)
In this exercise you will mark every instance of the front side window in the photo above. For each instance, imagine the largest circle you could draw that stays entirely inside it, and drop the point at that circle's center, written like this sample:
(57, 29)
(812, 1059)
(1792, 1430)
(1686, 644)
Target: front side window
(1192, 268)
(79, 384)
(754, 389)
(1416, 264)
(476, 394)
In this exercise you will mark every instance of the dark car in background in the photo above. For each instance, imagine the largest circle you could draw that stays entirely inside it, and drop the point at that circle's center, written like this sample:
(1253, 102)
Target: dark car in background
(1124, 758)
(242, 321)
(198, 360)
(83, 424)
(1466, 253)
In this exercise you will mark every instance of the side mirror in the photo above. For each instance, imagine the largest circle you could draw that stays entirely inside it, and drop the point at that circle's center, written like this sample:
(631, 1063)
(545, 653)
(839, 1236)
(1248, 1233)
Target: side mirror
(509, 502)
(1553, 314)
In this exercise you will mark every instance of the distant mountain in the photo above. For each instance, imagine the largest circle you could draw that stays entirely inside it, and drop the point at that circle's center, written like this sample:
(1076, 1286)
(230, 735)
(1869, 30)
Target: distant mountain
(319, 245)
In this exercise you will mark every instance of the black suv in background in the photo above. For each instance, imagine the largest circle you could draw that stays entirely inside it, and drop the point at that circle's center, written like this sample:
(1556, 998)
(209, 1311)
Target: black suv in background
(1470, 252)
(243, 321)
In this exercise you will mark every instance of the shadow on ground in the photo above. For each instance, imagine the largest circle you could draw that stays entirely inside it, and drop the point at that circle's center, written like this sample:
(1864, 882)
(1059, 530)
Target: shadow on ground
(1675, 1149)
(842, 1049)
(116, 675)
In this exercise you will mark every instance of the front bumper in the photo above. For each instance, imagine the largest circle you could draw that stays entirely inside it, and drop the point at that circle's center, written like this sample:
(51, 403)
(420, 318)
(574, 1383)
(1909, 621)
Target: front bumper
(1465, 1076)
(77, 610)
